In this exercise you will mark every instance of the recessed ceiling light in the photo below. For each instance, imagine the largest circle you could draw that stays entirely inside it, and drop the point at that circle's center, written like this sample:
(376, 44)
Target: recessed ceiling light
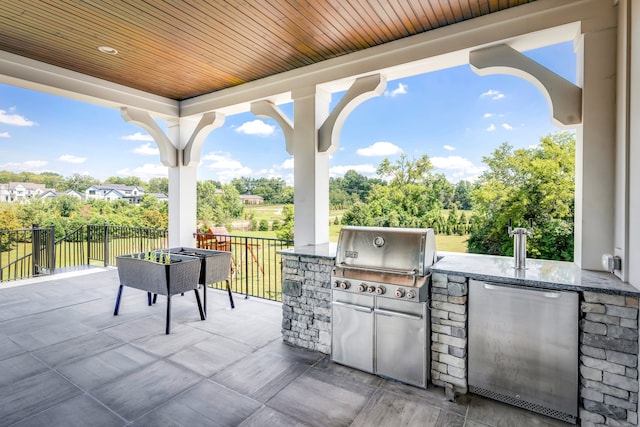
(108, 50)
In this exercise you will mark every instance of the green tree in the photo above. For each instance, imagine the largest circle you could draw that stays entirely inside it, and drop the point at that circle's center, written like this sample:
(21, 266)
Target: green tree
(462, 195)
(536, 183)
(158, 185)
(8, 221)
(285, 230)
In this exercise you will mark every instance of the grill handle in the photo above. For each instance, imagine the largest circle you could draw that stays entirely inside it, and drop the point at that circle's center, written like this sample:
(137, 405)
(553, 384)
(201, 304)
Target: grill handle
(355, 307)
(391, 313)
(381, 270)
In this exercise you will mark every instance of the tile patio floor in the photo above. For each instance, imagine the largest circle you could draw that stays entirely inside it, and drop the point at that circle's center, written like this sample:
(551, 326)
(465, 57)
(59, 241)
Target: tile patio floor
(65, 360)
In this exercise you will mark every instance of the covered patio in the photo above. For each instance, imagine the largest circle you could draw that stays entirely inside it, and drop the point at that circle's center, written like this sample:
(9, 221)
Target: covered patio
(66, 360)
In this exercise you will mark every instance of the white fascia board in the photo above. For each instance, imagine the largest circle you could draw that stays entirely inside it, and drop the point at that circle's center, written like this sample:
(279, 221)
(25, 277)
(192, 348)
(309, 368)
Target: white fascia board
(533, 25)
(24, 72)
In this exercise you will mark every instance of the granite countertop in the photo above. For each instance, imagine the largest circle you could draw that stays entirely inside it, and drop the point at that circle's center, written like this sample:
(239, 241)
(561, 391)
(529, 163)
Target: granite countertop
(545, 274)
(327, 251)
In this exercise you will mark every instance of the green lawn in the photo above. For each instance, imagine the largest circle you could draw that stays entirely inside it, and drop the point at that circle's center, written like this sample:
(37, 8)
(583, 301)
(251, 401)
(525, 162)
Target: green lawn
(447, 243)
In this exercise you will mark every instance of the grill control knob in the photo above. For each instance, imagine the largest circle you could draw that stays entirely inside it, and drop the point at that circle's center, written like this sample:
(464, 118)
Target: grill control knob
(362, 287)
(380, 290)
(399, 293)
(345, 285)
(371, 289)
(411, 294)
(337, 284)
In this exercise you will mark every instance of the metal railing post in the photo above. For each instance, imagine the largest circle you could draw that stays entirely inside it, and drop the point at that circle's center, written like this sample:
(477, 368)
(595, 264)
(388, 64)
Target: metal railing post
(89, 229)
(106, 244)
(35, 248)
(51, 249)
(246, 268)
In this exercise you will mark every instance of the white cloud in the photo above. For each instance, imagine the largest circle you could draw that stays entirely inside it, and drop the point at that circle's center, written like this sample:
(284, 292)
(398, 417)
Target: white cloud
(493, 94)
(287, 164)
(380, 148)
(491, 128)
(14, 119)
(146, 150)
(256, 127)
(400, 90)
(225, 167)
(69, 158)
(507, 126)
(457, 168)
(29, 165)
(146, 171)
(138, 136)
(5, 135)
(449, 148)
(487, 115)
(365, 169)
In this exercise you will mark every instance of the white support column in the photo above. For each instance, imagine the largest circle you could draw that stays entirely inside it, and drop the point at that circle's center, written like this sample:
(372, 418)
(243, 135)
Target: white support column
(311, 169)
(312, 137)
(595, 149)
(180, 152)
(633, 259)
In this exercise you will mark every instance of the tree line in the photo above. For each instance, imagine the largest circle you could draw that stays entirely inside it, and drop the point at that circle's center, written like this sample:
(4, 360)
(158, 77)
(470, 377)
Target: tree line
(534, 183)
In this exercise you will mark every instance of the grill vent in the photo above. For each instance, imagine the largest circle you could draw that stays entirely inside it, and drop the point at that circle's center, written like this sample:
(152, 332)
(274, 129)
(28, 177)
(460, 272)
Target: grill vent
(533, 407)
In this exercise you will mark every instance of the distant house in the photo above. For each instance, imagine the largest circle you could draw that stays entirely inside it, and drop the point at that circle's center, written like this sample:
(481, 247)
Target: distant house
(160, 196)
(132, 194)
(20, 191)
(250, 199)
(51, 193)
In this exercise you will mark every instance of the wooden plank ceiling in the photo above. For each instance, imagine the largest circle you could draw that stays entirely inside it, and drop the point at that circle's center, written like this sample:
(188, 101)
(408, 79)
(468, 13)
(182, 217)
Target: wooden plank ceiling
(180, 49)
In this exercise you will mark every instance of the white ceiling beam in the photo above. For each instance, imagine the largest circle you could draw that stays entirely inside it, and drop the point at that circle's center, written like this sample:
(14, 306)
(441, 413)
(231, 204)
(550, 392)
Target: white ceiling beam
(23, 72)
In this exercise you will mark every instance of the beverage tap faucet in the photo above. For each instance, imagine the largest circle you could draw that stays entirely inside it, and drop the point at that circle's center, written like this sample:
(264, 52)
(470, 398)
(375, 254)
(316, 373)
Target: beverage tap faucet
(520, 243)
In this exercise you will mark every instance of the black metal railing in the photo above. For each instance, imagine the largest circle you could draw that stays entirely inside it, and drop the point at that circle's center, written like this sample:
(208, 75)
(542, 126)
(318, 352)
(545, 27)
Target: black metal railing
(255, 270)
(26, 253)
(256, 265)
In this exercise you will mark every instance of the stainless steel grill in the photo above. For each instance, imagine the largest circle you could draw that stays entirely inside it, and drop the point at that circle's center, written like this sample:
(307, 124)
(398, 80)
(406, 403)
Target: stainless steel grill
(380, 291)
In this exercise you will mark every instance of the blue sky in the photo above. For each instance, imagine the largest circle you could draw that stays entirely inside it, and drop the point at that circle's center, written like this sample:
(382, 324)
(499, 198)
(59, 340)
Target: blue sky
(454, 116)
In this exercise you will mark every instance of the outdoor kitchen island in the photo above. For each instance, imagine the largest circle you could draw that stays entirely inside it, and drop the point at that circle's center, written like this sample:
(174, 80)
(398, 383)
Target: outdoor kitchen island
(608, 327)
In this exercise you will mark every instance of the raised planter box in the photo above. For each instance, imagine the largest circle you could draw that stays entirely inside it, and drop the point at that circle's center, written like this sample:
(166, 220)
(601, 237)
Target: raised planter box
(180, 275)
(215, 267)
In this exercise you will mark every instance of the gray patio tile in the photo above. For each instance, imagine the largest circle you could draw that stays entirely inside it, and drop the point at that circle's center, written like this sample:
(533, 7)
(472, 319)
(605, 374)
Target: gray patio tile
(135, 327)
(260, 375)
(432, 395)
(161, 344)
(291, 353)
(211, 355)
(269, 417)
(77, 348)
(95, 371)
(32, 395)
(8, 348)
(449, 419)
(19, 367)
(497, 414)
(206, 404)
(79, 411)
(35, 337)
(390, 409)
(322, 399)
(136, 394)
(326, 366)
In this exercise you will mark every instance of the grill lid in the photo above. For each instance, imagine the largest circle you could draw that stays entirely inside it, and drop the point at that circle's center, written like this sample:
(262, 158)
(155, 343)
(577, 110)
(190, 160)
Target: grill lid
(408, 251)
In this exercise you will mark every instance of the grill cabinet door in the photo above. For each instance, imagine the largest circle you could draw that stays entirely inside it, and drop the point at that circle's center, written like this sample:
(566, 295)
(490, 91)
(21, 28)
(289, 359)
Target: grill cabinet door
(402, 350)
(352, 330)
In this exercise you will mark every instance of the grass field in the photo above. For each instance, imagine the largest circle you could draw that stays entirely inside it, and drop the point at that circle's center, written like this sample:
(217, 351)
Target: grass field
(451, 243)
